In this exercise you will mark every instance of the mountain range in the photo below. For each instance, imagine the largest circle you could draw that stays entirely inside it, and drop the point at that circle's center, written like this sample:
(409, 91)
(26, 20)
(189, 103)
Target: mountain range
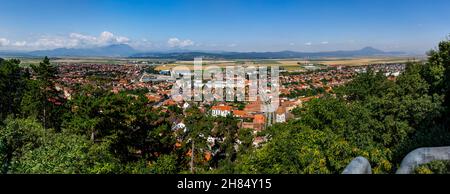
(124, 50)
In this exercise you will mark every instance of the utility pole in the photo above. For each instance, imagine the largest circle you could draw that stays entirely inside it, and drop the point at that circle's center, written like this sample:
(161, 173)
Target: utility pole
(192, 157)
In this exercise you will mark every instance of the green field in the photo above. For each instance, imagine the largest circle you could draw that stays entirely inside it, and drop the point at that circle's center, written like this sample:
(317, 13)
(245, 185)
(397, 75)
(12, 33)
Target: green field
(287, 64)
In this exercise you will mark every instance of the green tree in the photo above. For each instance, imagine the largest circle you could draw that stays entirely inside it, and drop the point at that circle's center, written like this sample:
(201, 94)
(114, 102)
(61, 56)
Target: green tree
(165, 164)
(12, 86)
(437, 69)
(199, 127)
(365, 85)
(17, 137)
(296, 149)
(435, 167)
(134, 129)
(226, 130)
(42, 100)
(26, 147)
(61, 153)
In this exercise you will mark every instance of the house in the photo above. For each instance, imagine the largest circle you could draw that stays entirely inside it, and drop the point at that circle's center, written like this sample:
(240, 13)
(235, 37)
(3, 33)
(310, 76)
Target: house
(290, 105)
(241, 114)
(153, 97)
(178, 144)
(221, 110)
(259, 119)
(280, 115)
(211, 140)
(259, 122)
(208, 156)
(254, 106)
(186, 105)
(246, 125)
(164, 72)
(179, 126)
(258, 141)
(169, 102)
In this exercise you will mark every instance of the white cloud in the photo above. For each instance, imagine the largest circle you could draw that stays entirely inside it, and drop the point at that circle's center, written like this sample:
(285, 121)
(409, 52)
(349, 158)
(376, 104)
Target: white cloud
(4, 42)
(82, 38)
(105, 38)
(232, 45)
(142, 44)
(291, 44)
(308, 44)
(72, 40)
(122, 39)
(324, 42)
(47, 42)
(175, 42)
(20, 43)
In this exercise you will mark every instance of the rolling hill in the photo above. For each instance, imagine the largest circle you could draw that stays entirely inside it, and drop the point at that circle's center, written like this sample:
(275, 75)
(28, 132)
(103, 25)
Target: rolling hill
(124, 50)
(367, 51)
(118, 50)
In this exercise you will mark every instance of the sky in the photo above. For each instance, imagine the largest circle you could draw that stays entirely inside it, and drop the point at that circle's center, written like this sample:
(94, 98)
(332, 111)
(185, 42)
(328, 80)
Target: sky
(225, 25)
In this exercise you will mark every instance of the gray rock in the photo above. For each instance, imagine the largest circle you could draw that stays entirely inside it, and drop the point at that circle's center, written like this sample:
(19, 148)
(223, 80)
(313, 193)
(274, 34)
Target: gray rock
(359, 165)
(422, 156)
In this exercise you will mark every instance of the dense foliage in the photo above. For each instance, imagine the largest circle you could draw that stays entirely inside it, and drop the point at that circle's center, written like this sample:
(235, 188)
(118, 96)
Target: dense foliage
(435, 167)
(371, 116)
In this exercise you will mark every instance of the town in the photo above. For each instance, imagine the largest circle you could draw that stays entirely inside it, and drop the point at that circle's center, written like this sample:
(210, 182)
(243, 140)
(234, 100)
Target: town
(296, 88)
(234, 96)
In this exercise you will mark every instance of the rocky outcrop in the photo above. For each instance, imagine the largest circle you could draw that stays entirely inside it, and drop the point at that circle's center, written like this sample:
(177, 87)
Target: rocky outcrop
(422, 156)
(359, 165)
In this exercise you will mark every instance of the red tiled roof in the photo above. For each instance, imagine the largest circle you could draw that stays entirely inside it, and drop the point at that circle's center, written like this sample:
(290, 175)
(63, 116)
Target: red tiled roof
(240, 113)
(281, 110)
(153, 98)
(169, 102)
(221, 108)
(259, 119)
(254, 106)
(208, 156)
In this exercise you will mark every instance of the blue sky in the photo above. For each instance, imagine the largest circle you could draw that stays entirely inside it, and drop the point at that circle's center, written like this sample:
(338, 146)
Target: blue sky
(235, 25)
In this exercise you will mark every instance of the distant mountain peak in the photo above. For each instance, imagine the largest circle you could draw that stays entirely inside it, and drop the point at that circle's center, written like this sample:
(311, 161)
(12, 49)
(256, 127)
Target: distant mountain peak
(371, 49)
(127, 46)
(125, 50)
(366, 51)
(114, 50)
